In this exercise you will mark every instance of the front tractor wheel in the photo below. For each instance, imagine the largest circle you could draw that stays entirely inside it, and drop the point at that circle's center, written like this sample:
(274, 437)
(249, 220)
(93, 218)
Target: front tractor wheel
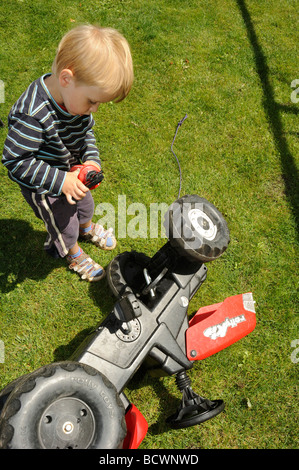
(196, 228)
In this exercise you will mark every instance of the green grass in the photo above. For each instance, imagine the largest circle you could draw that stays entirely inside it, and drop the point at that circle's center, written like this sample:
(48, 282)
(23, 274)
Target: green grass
(229, 65)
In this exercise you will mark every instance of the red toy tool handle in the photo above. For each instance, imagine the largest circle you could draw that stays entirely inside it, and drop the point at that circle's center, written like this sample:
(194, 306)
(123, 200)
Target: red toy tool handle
(90, 175)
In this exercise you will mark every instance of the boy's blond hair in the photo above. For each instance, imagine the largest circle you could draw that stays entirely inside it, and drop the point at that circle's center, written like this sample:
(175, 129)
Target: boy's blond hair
(97, 56)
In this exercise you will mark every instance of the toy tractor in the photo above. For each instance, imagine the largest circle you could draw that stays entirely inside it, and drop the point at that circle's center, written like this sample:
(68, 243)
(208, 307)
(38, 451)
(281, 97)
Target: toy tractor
(80, 403)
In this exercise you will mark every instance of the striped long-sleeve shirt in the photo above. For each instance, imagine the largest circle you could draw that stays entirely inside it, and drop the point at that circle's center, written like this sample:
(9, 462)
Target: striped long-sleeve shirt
(44, 141)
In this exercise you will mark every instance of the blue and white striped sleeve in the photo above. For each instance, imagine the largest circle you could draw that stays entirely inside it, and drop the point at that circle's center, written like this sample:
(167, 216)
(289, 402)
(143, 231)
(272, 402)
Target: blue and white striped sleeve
(20, 157)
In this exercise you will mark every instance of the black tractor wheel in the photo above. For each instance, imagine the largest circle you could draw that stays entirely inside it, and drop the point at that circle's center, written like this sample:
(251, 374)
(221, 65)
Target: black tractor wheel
(6, 391)
(125, 273)
(196, 229)
(64, 405)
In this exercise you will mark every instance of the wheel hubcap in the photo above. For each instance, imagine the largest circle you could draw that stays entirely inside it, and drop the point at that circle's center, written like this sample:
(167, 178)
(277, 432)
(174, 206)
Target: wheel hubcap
(202, 224)
(67, 423)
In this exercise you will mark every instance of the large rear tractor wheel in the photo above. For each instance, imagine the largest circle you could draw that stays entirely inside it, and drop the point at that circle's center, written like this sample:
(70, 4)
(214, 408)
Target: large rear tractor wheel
(66, 405)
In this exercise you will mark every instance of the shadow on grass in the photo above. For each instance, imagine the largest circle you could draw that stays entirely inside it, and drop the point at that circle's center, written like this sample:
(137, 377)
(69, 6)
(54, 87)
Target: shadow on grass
(273, 110)
(21, 254)
(99, 293)
(168, 403)
(65, 351)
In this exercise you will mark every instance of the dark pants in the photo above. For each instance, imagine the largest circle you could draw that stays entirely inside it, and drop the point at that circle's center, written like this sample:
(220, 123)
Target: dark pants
(61, 219)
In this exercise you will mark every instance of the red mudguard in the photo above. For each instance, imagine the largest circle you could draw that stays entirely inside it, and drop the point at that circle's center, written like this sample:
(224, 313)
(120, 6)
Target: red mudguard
(212, 329)
(136, 428)
(217, 326)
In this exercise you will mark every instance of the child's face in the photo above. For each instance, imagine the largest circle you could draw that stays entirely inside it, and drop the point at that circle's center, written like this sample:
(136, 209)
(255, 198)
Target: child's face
(82, 99)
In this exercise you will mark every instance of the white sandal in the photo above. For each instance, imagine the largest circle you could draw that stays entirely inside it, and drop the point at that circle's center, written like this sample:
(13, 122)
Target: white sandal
(100, 237)
(86, 267)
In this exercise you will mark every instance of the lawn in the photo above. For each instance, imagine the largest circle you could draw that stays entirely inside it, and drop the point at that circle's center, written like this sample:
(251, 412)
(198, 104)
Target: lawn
(230, 66)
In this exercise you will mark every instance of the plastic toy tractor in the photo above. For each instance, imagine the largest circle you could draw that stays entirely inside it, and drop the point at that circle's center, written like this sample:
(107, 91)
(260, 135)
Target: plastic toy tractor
(81, 403)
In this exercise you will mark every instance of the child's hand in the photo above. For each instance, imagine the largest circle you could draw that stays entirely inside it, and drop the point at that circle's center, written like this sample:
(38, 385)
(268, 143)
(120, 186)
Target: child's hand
(73, 188)
(92, 162)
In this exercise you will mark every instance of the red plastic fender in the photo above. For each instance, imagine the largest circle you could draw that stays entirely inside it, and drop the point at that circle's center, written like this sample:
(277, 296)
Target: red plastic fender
(136, 428)
(217, 326)
(85, 172)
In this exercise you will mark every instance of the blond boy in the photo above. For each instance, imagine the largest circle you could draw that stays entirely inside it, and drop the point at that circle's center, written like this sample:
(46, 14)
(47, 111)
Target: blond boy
(50, 131)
